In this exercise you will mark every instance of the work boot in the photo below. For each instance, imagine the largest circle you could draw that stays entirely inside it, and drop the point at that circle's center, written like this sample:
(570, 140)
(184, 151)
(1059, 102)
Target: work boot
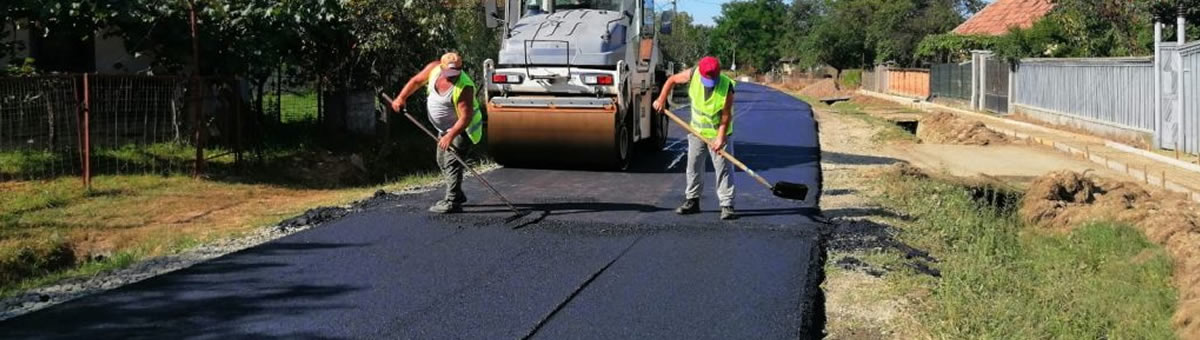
(690, 206)
(727, 213)
(445, 207)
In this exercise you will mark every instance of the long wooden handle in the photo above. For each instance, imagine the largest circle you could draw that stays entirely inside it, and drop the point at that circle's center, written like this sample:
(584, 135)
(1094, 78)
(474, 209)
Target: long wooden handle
(722, 152)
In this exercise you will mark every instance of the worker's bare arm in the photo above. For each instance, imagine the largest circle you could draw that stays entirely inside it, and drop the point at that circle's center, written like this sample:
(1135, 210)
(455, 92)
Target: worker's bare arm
(678, 78)
(413, 84)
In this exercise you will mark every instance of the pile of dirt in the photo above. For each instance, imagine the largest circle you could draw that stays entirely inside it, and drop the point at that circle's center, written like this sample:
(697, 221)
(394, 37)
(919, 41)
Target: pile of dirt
(946, 128)
(872, 101)
(826, 88)
(794, 85)
(1064, 200)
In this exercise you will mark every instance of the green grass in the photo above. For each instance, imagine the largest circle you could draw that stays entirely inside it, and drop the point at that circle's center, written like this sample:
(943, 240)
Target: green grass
(1002, 280)
(296, 108)
(851, 78)
(23, 163)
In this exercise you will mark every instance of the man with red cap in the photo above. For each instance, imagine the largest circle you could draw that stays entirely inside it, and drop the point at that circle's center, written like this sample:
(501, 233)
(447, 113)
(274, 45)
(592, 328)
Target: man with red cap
(711, 98)
(455, 114)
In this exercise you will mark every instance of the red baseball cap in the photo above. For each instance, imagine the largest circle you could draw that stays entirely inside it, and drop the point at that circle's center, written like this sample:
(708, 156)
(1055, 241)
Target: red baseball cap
(710, 70)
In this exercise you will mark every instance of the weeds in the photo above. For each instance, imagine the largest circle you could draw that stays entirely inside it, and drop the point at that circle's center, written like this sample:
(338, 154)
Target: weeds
(1002, 280)
(888, 131)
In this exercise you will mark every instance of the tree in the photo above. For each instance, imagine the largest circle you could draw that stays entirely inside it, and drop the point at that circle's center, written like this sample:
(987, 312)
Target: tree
(837, 40)
(802, 17)
(952, 48)
(1166, 11)
(752, 30)
(687, 43)
(896, 27)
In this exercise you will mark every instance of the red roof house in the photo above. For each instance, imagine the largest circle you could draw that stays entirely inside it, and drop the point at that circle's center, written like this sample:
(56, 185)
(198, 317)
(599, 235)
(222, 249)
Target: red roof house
(996, 18)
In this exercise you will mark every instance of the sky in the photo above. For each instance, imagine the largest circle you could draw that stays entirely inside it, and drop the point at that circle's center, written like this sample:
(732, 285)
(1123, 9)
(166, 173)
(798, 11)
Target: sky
(703, 11)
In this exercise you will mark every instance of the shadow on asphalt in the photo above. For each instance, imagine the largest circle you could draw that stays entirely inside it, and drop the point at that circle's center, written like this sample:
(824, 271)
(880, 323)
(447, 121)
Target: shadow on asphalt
(565, 208)
(759, 157)
(177, 304)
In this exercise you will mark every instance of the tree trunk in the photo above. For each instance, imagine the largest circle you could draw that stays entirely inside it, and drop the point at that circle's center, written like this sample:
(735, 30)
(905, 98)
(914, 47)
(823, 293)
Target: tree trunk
(837, 79)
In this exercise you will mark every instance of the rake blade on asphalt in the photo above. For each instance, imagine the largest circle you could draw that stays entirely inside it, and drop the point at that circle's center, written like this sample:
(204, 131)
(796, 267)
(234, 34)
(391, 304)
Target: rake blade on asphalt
(790, 190)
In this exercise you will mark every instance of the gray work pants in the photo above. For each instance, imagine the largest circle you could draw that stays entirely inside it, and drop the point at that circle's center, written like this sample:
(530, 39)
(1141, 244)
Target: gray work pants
(697, 149)
(452, 170)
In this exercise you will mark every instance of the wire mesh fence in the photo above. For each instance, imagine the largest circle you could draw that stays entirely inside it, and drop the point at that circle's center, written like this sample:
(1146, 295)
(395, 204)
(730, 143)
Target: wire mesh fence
(289, 99)
(53, 126)
(138, 125)
(39, 128)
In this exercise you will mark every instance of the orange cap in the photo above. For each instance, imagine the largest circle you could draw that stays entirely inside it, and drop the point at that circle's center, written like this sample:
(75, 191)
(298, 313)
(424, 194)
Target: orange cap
(451, 64)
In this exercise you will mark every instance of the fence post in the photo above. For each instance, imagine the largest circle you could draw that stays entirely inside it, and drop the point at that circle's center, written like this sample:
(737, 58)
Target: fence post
(1012, 80)
(1156, 143)
(237, 116)
(87, 142)
(983, 79)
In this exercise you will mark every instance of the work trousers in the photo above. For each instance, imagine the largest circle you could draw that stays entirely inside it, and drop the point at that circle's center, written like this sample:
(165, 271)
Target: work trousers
(697, 150)
(452, 170)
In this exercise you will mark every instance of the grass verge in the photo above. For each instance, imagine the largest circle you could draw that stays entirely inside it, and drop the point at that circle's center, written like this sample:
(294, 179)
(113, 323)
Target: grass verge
(1000, 279)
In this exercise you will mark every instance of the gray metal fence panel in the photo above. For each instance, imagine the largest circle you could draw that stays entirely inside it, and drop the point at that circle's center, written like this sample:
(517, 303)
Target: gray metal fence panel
(875, 80)
(951, 81)
(1112, 91)
(868, 81)
(995, 96)
(1191, 90)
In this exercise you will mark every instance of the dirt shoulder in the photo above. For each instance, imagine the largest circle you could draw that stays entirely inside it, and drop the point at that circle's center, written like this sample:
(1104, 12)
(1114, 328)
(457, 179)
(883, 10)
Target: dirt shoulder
(887, 250)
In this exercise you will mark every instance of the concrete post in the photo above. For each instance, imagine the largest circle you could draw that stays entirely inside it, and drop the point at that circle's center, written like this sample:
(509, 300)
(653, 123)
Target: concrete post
(1181, 27)
(1012, 81)
(1156, 141)
(1181, 35)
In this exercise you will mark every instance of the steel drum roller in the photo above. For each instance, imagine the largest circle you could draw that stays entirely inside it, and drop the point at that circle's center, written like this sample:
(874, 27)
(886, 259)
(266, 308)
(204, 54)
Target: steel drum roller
(524, 136)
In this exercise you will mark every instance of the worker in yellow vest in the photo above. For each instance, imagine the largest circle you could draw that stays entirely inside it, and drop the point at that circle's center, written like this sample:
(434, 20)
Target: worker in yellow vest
(455, 114)
(711, 97)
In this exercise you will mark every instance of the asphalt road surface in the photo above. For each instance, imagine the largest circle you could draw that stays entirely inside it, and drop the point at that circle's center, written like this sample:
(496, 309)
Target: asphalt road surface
(603, 257)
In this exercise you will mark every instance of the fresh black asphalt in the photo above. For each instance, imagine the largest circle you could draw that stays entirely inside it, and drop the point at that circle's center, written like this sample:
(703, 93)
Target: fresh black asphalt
(603, 257)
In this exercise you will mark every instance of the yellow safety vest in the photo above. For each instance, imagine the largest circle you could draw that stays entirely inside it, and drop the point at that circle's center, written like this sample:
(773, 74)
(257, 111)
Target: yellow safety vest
(706, 113)
(475, 128)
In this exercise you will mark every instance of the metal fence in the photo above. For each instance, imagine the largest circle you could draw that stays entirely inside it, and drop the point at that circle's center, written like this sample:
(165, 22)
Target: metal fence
(1116, 92)
(1190, 128)
(875, 80)
(995, 94)
(39, 127)
(910, 82)
(950, 81)
(80, 125)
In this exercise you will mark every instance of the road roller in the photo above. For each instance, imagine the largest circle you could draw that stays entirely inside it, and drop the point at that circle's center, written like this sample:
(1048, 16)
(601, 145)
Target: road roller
(574, 82)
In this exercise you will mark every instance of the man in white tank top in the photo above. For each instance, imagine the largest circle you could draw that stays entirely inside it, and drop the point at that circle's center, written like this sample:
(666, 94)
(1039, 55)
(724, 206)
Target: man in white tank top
(450, 116)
